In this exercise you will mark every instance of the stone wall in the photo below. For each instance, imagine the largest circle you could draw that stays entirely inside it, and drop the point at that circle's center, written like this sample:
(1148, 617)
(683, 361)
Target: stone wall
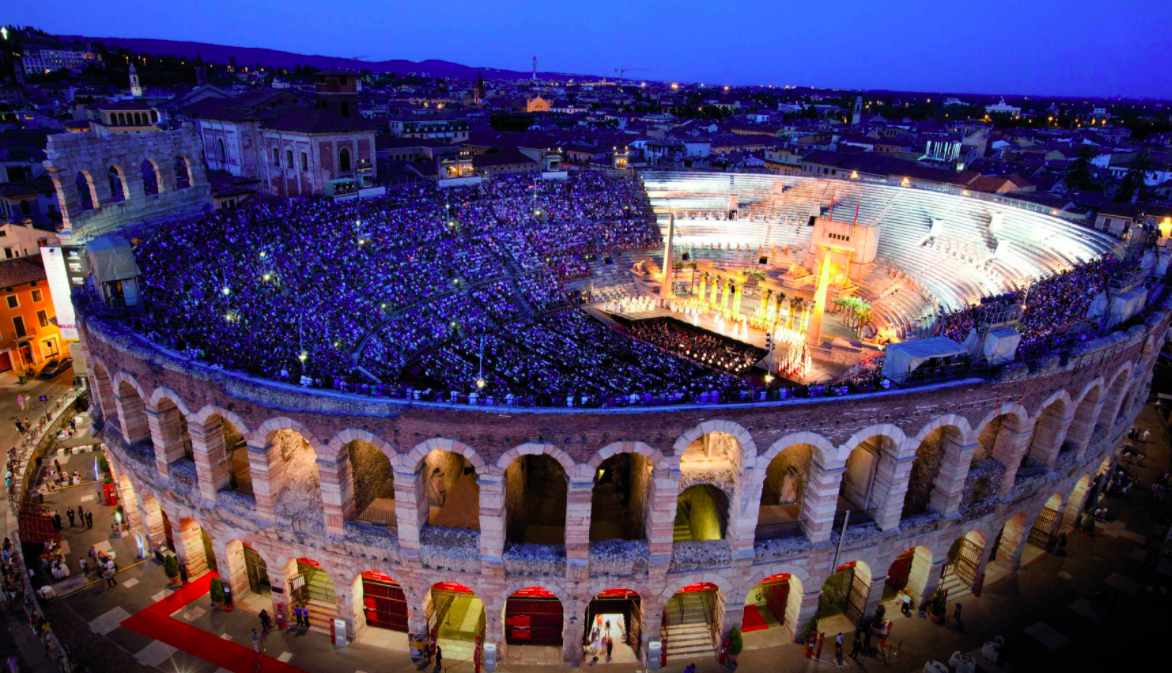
(72, 153)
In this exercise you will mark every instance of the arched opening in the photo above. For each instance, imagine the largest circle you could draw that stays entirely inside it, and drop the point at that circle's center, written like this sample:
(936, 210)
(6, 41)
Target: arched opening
(453, 496)
(693, 621)
(220, 153)
(227, 453)
(535, 501)
(118, 192)
(150, 177)
(1083, 425)
(964, 562)
(1128, 402)
(701, 514)
(276, 157)
(534, 617)
(344, 160)
(772, 607)
(925, 469)
(455, 617)
(910, 573)
(105, 394)
(183, 169)
(1044, 532)
(712, 450)
(997, 449)
(619, 502)
(289, 160)
(86, 196)
(1077, 502)
(157, 524)
(1112, 408)
(293, 482)
(617, 614)
(781, 493)
(380, 604)
(304, 161)
(312, 588)
(858, 494)
(374, 484)
(176, 446)
(1048, 439)
(248, 575)
(845, 593)
(198, 556)
(132, 413)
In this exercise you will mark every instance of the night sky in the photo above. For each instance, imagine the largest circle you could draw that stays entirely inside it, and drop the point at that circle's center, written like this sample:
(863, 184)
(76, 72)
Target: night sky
(1056, 47)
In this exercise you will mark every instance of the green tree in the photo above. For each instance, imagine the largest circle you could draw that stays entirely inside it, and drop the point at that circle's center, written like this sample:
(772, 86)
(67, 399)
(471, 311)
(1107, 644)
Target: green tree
(1133, 182)
(1079, 174)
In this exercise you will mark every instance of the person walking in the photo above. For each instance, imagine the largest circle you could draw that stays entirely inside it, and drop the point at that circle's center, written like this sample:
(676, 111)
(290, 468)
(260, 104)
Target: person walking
(19, 427)
(856, 646)
(439, 659)
(255, 642)
(265, 622)
(609, 648)
(838, 647)
(71, 514)
(109, 575)
(956, 613)
(57, 520)
(89, 519)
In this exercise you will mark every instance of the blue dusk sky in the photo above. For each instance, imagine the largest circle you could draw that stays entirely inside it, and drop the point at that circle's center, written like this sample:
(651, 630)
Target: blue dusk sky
(1055, 47)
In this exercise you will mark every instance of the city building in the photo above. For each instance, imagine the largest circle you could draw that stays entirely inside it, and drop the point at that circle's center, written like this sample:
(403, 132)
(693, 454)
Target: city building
(28, 334)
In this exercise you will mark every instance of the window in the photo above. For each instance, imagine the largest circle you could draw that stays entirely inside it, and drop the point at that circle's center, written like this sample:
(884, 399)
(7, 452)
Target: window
(276, 157)
(85, 191)
(304, 161)
(117, 184)
(25, 209)
(43, 318)
(220, 148)
(344, 160)
(182, 172)
(37, 298)
(345, 109)
(18, 323)
(289, 158)
(13, 301)
(150, 177)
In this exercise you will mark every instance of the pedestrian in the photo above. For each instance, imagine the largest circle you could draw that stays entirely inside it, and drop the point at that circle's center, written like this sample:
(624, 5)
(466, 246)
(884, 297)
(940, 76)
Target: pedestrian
(609, 648)
(109, 575)
(71, 515)
(956, 613)
(907, 604)
(89, 519)
(867, 641)
(19, 427)
(439, 659)
(855, 646)
(255, 642)
(264, 620)
(85, 568)
(57, 519)
(20, 401)
(81, 512)
(838, 647)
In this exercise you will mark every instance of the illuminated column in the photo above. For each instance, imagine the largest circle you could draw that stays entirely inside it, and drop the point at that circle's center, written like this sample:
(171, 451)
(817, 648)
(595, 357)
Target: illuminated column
(668, 272)
(814, 335)
(715, 298)
(726, 288)
(770, 307)
(738, 290)
(701, 293)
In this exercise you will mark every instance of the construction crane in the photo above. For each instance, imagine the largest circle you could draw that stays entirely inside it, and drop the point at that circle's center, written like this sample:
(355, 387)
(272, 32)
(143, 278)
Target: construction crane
(623, 71)
(359, 57)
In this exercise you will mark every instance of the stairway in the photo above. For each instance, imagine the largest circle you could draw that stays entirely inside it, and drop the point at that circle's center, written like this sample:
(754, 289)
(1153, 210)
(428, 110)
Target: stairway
(322, 604)
(688, 632)
(682, 531)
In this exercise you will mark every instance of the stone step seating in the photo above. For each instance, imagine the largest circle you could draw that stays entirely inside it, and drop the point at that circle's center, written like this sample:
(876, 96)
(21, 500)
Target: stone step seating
(688, 631)
(321, 615)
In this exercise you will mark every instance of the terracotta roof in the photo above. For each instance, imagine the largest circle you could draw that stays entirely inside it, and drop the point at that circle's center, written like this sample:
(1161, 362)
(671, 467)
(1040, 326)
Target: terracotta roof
(299, 119)
(21, 270)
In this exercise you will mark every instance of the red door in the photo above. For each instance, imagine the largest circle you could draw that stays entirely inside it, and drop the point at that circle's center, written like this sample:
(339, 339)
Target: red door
(5, 362)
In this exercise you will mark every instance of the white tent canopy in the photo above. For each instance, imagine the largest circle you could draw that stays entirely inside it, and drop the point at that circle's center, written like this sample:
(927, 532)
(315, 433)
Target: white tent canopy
(903, 358)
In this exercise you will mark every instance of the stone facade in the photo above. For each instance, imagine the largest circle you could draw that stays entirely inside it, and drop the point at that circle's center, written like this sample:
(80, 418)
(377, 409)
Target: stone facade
(1067, 417)
(91, 156)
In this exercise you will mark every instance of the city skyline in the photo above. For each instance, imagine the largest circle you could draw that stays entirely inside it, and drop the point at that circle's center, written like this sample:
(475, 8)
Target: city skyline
(1044, 50)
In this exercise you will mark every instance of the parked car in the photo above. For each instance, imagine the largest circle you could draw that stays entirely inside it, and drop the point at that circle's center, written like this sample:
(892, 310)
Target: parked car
(55, 367)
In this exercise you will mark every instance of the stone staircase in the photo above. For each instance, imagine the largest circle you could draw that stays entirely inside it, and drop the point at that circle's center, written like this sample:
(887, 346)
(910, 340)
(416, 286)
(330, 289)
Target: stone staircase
(321, 604)
(688, 632)
(682, 532)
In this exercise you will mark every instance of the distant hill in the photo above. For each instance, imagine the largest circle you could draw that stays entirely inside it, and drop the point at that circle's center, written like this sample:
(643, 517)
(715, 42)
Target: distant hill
(273, 58)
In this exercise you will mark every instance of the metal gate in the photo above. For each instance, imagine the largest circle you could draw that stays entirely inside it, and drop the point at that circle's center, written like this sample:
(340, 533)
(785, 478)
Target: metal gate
(966, 562)
(856, 599)
(258, 574)
(776, 595)
(383, 602)
(1045, 528)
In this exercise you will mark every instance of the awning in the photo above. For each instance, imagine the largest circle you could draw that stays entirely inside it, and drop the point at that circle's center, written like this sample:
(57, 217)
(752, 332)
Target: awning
(111, 259)
(903, 358)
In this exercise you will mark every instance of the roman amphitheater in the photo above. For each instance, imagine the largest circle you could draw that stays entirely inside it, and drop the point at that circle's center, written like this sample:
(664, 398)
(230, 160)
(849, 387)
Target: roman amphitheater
(478, 519)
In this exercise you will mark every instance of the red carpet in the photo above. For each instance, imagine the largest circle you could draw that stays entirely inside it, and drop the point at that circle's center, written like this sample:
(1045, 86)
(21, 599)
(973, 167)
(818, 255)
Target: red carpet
(752, 621)
(155, 622)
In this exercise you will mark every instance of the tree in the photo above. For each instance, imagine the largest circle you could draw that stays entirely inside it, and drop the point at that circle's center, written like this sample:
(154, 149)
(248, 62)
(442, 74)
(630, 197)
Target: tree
(171, 566)
(1133, 182)
(504, 121)
(1079, 174)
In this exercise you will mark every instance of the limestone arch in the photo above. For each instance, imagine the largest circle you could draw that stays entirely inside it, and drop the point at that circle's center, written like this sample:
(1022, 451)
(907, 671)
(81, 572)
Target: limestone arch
(162, 393)
(885, 430)
(658, 460)
(746, 446)
(152, 178)
(87, 192)
(270, 427)
(534, 512)
(537, 449)
(622, 490)
(131, 404)
(726, 587)
(940, 442)
(207, 411)
(119, 187)
(413, 460)
(361, 465)
(1051, 425)
(955, 420)
(338, 443)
